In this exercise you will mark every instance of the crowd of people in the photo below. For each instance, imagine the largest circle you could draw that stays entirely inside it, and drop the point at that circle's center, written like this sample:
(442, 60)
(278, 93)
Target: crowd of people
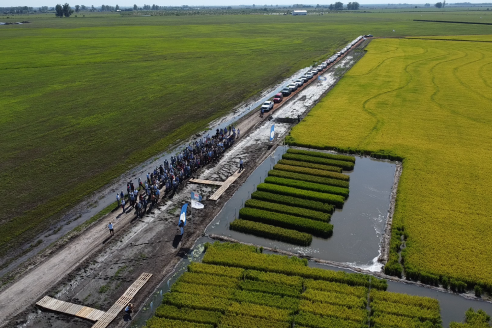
(173, 173)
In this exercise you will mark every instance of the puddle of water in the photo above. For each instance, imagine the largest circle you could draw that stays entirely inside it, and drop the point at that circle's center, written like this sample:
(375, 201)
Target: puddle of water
(358, 227)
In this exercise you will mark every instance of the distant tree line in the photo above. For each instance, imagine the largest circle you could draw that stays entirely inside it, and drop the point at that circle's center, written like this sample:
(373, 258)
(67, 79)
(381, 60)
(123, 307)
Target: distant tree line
(64, 10)
(440, 4)
(16, 10)
(339, 6)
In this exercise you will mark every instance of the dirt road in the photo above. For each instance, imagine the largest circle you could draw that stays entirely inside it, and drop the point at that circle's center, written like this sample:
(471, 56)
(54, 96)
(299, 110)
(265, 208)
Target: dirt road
(94, 269)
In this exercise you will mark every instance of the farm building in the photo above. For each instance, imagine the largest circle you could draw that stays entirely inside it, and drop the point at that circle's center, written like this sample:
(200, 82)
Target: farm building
(299, 12)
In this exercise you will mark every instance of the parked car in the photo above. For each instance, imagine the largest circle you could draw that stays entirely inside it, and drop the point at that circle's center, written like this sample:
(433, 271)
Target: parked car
(267, 105)
(324, 64)
(297, 83)
(292, 87)
(278, 98)
(369, 36)
(286, 92)
(319, 68)
(314, 72)
(308, 75)
(301, 80)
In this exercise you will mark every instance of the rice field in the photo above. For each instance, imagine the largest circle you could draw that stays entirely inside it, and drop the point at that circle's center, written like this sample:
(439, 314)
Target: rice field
(428, 102)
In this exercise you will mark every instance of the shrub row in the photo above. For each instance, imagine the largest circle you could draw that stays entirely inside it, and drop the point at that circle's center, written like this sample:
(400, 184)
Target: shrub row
(384, 320)
(406, 311)
(272, 232)
(275, 278)
(207, 290)
(308, 186)
(334, 298)
(208, 279)
(217, 270)
(281, 302)
(199, 302)
(309, 178)
(156, 322)
(317, 228)
(356, 315)
(238, 321)
(296, 211)
(304, 194)
(294, 201)
(335, 287)
(267, 287)
(379, 284)
(260, 311)
(311, 165)
(320, 154)
(419, 301)
(316, 321)
(310, 171)
(318, 160)
(200, 316)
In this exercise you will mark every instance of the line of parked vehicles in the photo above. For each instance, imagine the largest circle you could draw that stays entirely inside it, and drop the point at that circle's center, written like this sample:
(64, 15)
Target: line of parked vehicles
(294, 85)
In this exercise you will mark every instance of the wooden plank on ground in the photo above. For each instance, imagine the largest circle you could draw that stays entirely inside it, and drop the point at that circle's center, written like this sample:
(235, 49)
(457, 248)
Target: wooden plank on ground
(123, 301)
(226, 185)
(70, 308)
(209, 182)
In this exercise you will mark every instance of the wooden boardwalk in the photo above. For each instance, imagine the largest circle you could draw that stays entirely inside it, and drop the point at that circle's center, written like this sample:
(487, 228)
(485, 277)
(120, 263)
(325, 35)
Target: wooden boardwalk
(70, 308)
(209, 182)
(123, 301)
(225, 185)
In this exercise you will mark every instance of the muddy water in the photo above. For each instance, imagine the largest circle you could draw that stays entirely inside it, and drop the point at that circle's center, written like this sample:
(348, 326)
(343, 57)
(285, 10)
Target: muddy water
(358, 227)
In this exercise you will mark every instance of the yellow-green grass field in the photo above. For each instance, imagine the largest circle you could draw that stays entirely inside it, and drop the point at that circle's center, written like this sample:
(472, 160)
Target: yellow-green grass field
(429, 102)
(83, 99)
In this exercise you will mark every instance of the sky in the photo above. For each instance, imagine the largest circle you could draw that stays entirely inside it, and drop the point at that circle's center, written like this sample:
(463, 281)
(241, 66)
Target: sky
(129, 3)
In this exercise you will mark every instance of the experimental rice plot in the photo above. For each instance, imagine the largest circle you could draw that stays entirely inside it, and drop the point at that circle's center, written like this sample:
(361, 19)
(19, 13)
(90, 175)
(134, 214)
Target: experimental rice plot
(297, 198)
(239, 286)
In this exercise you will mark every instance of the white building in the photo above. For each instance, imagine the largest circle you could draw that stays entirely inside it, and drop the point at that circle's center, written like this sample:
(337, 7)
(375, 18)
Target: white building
(299, 12)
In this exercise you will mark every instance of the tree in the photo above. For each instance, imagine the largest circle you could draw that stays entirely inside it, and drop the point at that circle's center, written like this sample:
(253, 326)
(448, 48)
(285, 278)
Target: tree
(135, 7)
(67, 11)
(117, 7)
(349, 6)
(338, 6)
(438, 5)
(77, 8)
(331, 7)
(444, 3)
(427, 5)
(59, 10)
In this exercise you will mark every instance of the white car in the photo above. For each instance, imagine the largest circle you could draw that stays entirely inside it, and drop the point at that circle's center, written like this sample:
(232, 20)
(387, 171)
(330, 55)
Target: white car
(297, 83)
(308, 75)
(267, 105)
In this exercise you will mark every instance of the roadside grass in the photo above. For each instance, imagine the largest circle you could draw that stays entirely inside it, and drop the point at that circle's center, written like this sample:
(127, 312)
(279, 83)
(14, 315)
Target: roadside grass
(84, 99)
(428, 102)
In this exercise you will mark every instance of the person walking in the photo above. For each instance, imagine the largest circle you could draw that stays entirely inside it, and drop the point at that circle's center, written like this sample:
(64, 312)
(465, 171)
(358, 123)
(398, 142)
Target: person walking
(237, 137)
(123, 205)
(241, 165)
(118, 199)
(111, 230)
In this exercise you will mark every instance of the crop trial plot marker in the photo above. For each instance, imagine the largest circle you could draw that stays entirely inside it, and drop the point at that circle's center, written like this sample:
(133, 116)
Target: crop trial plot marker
(103, 319)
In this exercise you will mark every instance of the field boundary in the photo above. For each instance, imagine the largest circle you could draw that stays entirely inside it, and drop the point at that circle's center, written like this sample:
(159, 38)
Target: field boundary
(451, 22)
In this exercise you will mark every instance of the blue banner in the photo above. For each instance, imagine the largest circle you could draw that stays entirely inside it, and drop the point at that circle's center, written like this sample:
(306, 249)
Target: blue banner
(272, 132)
(182, 218)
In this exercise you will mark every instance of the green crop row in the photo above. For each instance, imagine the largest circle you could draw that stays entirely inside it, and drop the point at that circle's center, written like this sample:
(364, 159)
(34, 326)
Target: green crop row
(277, 301)
(296, 211)
(308, 186)
(311, 165)
(200, 316)
(406, 311)
(309, 178)
(260, 311)
(199, 302)
(316, 172)
(242, 256)
(293, 201)
(208, 279)
(217, 270)
(207, 290)
(334, 287)
(318, 160)
(238, 321)
(317, 228)
(418, 301)
(334, 298)
(316, 321)
(156, 322)
(340, 312)
(272, 232)
(378, 284)
(276, 278)
(384, 320)
(267, 287)
(304, 194)
(321, 154)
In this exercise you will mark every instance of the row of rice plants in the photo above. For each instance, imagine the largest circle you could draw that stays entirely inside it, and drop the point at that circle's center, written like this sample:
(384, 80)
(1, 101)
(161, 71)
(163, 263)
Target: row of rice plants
(335, 200)
(293, 201)
(308, 186)
(308, 178)
(319, 160)
(399, 310)
(292, 210)
(312, 171)
(346, 158)
(322, 167)
(271, 232)
(261, 298)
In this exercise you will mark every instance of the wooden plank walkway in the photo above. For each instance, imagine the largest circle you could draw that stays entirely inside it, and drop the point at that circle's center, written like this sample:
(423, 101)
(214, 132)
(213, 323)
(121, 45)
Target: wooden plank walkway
(123, 301)
(226, 185)
(209, 182)
(70, 308)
